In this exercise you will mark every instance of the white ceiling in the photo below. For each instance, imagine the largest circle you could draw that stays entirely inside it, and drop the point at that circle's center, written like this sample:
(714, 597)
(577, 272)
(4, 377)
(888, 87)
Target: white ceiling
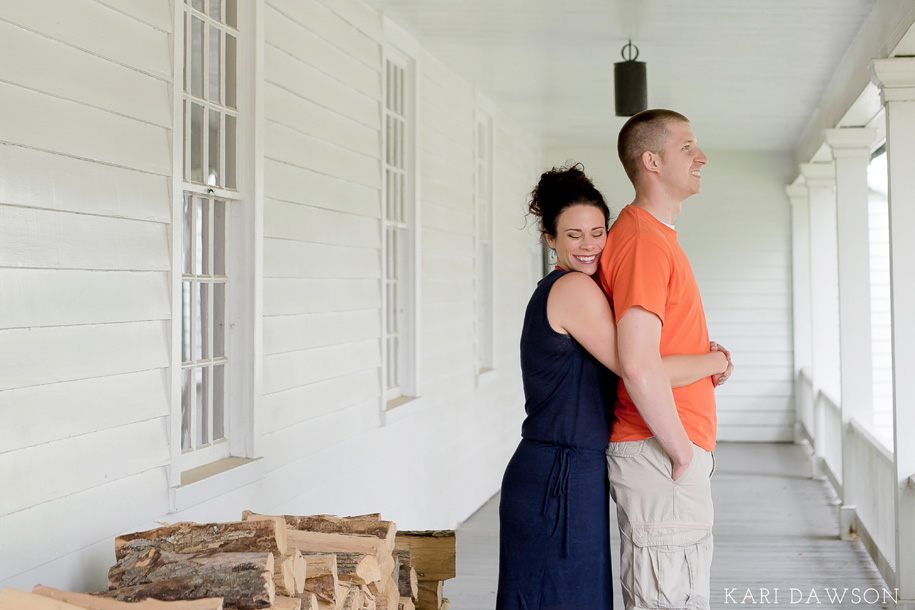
(748, 73)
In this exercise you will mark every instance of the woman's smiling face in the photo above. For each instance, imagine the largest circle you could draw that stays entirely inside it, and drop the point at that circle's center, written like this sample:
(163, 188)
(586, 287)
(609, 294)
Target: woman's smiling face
(581, 232)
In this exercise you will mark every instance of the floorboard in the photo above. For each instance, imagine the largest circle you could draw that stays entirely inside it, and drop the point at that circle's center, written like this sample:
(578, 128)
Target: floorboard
(776, 528)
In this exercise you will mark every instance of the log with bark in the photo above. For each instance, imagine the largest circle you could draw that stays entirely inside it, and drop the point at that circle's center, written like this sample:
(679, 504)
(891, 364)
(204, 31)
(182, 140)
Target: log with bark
(267, 535)
(321, 577)
(363, 525)
(407, 582)
(95, 602)
(243, 580)
(406, 604)
(357, 568)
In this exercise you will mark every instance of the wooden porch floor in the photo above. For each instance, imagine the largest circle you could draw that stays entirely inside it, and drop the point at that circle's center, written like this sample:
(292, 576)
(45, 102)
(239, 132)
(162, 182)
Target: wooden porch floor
(775, 528)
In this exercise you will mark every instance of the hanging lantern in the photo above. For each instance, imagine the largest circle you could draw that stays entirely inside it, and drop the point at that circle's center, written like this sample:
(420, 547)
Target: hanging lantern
(630, 82)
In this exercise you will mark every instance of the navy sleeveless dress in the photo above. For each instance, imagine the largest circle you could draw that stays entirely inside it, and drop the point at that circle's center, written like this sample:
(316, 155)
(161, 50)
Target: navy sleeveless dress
(554, 539)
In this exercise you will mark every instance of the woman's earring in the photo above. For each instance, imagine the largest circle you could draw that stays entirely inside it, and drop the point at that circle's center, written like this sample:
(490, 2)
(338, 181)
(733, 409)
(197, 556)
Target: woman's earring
(552, 256)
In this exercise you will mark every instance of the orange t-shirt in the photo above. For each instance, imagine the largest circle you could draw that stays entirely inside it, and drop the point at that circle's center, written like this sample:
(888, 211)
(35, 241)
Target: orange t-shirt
(643, 265)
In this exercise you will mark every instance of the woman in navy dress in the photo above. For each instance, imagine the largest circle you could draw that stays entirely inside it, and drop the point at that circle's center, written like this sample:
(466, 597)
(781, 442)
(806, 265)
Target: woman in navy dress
(554, 551)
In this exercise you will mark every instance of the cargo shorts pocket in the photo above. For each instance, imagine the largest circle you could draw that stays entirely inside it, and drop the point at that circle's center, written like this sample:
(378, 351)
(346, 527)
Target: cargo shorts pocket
(671, 565)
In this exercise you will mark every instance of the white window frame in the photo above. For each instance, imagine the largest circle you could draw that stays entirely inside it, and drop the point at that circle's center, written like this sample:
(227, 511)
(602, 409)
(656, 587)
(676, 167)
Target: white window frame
(244, 267)
(484, 217)
(403, 50)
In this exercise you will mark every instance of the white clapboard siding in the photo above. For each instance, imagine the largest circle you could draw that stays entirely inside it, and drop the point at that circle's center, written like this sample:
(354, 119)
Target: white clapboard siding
(333, 28)
(359, 14)
(310, 83)
(442, 194)
(447, 243)
(294, 333)
(47, 472)
(881, 315)
(292, 259)
(296, 442)
(305, 45)
(46, 532)
(291, 369)
(44, 180)
(290, 407)
(441, 146)
(82, 77)
(301, 296)
(96, 28)
(80, 407)
(40, 121)
(51, 239)
(302, 150)
(297, 222)
(458, 219)
(157, 13)
(33, 297)
(285, 182)
(441, 170)
(285, 108)
(50, 355)
(461, 267)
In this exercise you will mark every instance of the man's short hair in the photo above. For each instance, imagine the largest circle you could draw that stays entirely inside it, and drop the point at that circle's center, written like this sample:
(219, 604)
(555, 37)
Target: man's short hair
(646, 130)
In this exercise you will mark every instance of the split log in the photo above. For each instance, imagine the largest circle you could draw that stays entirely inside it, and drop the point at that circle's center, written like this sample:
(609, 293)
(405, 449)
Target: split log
(352, 597)
(95, 602)
(299, 569)
(321, 577)
(267, 536)
(446, 604)
(286, 603)
(14, 599)
(331, 524)
(432, 553)
(309, 601)
(357, 568)
(430, 595)
(406, 604)
(243, 580)
(283, 576)
(406, 578)
(321, 542)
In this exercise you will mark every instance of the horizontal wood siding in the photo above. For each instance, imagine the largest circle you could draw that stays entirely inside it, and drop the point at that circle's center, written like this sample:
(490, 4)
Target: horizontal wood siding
(85, 262)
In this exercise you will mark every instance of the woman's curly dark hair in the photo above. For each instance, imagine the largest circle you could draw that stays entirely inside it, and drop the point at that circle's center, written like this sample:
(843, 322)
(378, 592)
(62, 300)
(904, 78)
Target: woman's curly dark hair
(560, 188)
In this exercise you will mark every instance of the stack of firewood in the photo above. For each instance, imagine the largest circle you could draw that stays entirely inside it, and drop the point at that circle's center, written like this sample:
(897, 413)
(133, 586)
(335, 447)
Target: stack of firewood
(319, 562)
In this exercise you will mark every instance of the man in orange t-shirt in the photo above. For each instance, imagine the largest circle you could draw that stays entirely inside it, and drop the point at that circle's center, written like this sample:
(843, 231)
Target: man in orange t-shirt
(660, 454)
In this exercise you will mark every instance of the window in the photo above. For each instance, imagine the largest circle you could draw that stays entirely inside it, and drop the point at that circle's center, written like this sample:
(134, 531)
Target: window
(399, 237)
(483, 194)
(209, 189)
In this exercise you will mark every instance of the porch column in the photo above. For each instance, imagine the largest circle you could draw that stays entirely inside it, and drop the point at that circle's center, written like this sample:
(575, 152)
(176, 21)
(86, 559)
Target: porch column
(896, 77)
(800, 296)
(851, 149)
(824, 278)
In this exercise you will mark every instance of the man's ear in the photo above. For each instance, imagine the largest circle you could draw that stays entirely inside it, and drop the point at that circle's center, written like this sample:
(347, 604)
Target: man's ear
(650, 161)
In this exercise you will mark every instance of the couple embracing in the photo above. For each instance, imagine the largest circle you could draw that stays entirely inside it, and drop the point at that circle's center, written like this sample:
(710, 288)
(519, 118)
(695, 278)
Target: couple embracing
(624, 303)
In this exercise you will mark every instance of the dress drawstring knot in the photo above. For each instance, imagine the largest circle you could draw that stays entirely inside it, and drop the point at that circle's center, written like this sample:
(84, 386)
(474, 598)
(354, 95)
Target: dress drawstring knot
(558, 487)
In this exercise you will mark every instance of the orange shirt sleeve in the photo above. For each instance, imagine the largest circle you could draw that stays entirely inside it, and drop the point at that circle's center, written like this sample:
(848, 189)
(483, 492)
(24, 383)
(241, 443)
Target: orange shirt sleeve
(642, 278)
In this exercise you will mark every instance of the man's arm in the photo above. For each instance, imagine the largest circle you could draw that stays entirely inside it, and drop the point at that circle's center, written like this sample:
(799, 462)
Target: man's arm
(639, 340)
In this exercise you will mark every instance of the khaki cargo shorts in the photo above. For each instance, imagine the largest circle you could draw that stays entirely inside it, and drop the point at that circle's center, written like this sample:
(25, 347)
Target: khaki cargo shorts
(665, 525)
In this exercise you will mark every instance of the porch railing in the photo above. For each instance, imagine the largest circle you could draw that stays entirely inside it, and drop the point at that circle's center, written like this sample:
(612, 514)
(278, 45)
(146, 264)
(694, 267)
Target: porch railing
(869, 482)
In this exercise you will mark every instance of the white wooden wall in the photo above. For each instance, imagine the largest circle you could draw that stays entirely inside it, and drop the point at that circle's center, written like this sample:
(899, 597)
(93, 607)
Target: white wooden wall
(85, 164)
(881, 316)
(737, 234)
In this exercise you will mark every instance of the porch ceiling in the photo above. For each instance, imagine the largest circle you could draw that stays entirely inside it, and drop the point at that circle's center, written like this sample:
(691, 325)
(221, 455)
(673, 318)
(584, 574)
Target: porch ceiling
(748, 73)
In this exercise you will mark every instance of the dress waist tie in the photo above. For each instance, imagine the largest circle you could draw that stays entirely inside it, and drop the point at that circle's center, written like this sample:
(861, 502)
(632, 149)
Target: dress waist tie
(558, 488)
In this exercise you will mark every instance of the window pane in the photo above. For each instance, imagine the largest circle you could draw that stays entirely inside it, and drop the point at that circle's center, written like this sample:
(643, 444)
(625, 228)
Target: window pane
(199, 402)
(232, 13)
(214, 64)
(219, 320)
(187, 409)
(219, 402)
(197, 4)
(187, 233)
(196, 333)
(197, 132)
(213, 175)
(186, 321)
(202, 237)
(204, 402)
(196, 57)
(215, 13)
(231, 46)
(203, 319)
(219, 238)
(230, 181)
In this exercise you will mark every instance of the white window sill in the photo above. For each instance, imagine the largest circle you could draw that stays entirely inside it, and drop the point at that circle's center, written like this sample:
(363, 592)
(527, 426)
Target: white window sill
(487, 376)
(401, 408)
(212, 480)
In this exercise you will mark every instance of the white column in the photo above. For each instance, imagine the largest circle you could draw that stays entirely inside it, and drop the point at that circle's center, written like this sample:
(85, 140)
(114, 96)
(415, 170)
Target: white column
(851, 149)
(800, 274)
(824, 277)
(897, 80)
